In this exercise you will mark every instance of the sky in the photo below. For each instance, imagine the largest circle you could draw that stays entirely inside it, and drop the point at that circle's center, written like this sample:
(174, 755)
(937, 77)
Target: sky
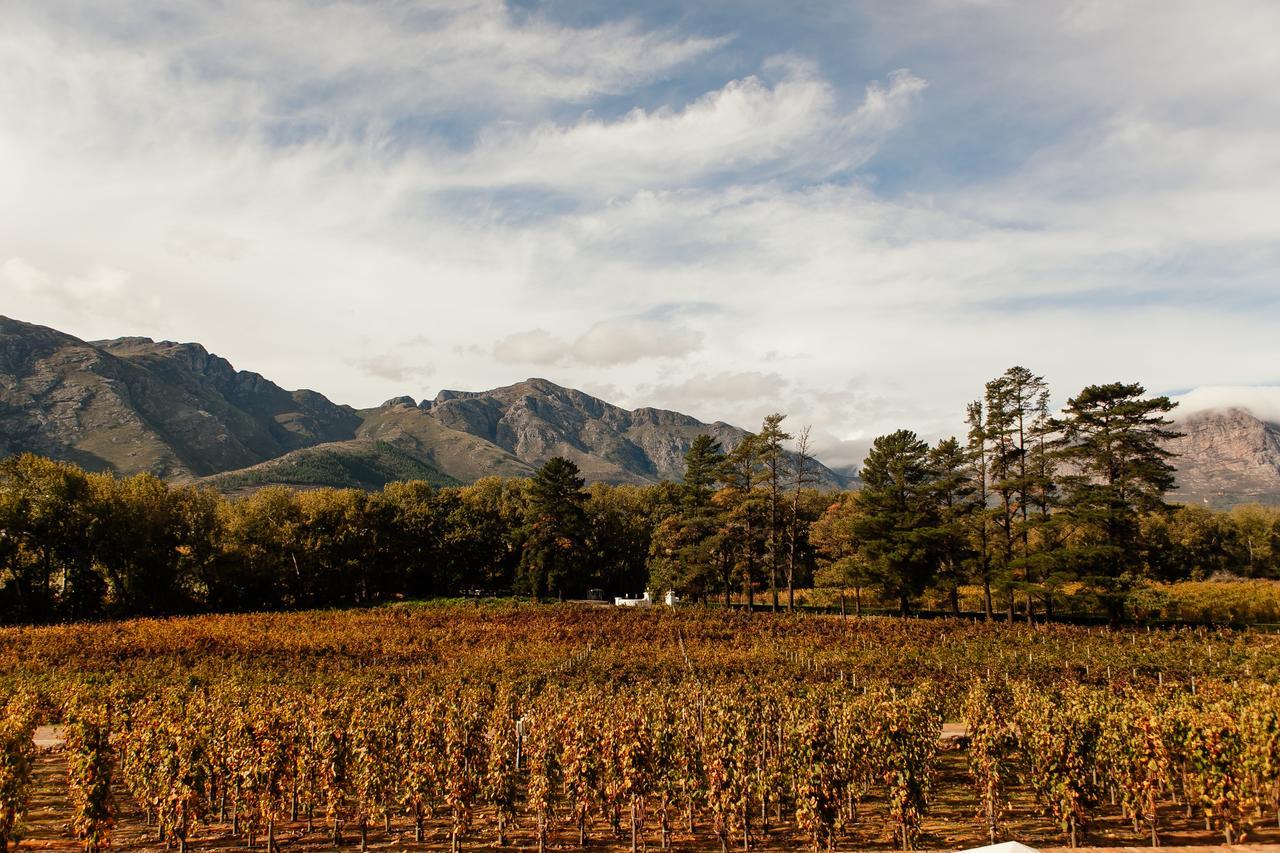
(856, 213)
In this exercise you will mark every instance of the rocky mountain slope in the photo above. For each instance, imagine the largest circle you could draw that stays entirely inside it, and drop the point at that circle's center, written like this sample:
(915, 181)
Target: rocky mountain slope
(1227, 457)
(175, 410)
(133, 404)
(536, 420)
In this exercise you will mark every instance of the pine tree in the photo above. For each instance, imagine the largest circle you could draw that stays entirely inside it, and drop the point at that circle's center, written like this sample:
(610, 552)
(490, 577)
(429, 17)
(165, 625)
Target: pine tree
(1014, 401)
(801, 476)
(981, 520)
(552, 557)
(685, 548)
(772, 460)
(741, 532)
(956, 499)
(1113, 444)
(703, 462)
(898, 527)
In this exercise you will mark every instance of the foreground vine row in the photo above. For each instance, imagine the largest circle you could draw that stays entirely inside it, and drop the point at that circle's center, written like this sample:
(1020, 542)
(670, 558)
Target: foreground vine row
(556, 726)
(729, 762)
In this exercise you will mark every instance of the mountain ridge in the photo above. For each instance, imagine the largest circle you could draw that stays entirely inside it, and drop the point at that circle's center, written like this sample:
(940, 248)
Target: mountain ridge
(185, 414)
(176, 410)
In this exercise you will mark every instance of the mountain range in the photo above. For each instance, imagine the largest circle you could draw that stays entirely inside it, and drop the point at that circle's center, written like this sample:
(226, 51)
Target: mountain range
(1227, 457)
(175, 410)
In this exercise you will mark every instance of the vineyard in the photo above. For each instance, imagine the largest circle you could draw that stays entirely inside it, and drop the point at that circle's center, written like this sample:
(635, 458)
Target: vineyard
(463, 726)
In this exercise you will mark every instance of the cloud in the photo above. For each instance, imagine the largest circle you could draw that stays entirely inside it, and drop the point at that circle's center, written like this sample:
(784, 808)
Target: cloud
(793, 126)
(737, 387)
(844, 454)
(395, 367)
(536, 346)
(1261, 400)
(605, 344)
(1090, 192)
(79, 293)
(338, 65)
(96, 284)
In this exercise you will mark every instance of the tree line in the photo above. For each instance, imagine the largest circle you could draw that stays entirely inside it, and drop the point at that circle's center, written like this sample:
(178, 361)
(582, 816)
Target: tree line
(1031, 503)
(1028, 504)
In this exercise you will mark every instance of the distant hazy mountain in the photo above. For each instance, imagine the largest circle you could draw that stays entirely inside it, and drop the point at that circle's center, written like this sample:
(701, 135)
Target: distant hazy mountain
(1227, 457)
(132, 404)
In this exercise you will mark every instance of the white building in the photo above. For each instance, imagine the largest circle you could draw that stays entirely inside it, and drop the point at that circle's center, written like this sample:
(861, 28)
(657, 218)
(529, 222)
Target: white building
(646, 600)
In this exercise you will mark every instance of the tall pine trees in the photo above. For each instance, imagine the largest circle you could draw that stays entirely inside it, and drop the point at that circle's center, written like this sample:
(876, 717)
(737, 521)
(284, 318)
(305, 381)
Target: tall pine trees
(897, 528)
(1112, 444)
(771, 475)
(687, 552)
(557, 528)
(1015, 402)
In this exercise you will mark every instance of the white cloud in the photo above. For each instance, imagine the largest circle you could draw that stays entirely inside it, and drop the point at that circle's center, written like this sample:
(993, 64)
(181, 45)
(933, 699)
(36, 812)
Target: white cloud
(536, 346)
(333, 64)
(605, 344)
(738, 387)
(396, 367)
(298, 184)
(1262, 401)
(793, 125)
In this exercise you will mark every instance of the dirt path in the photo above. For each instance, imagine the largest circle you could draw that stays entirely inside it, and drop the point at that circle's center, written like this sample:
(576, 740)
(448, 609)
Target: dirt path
(49, 737)
(48, 818)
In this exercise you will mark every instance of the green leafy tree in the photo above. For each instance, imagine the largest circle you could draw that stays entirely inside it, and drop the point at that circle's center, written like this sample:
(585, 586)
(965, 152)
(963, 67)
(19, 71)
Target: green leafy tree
(44, 516)
(1259, 536)
(620, 523)
(262, 548)
(841, 563)
(415, 527)
(142, 543)
(486, 525)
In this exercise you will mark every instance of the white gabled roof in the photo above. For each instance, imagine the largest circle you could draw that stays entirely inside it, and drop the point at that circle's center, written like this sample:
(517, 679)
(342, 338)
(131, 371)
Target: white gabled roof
(1006, 847)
